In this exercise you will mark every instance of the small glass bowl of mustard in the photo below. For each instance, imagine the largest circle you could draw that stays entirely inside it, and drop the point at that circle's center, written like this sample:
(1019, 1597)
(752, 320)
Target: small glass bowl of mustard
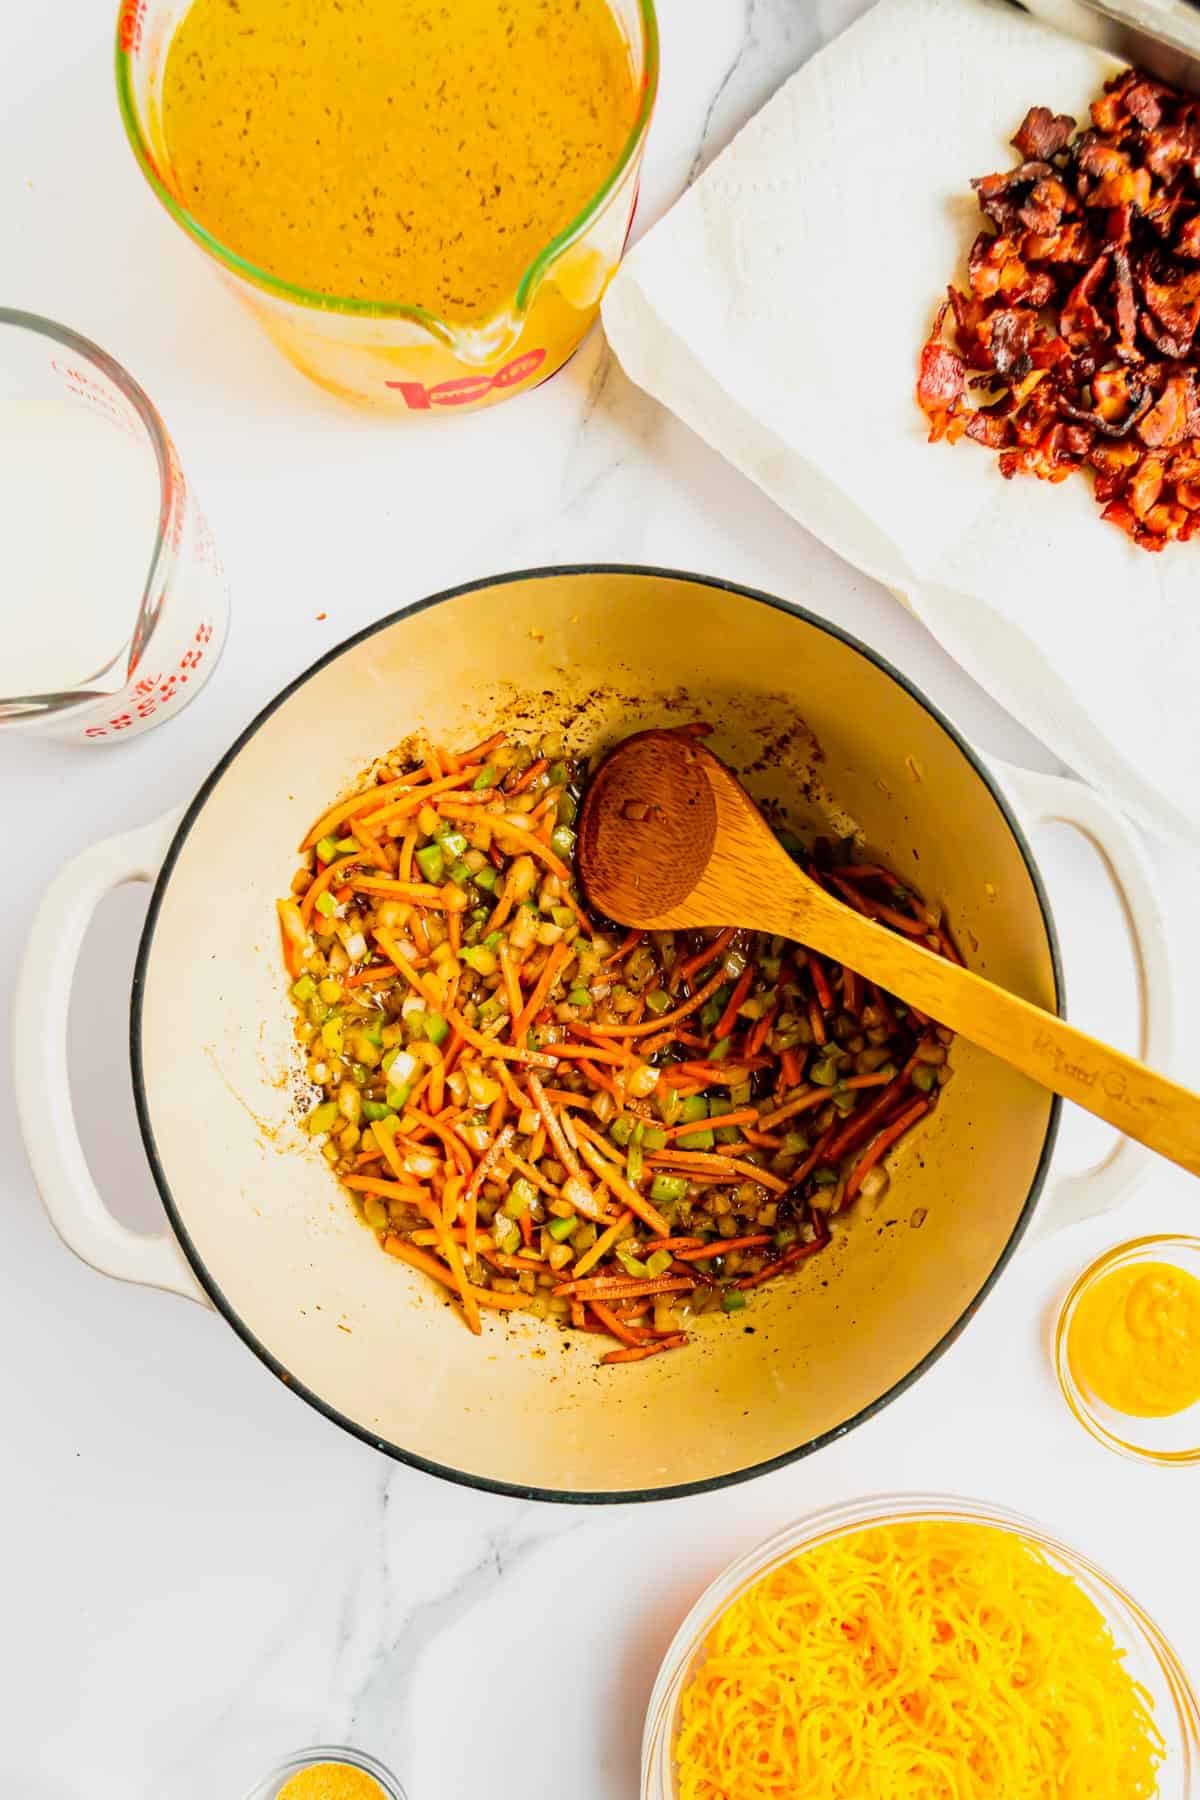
(1127, 1349)
(328, 1772)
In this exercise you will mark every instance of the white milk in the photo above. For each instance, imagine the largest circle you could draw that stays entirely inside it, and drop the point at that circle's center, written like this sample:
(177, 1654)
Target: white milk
(79, 505)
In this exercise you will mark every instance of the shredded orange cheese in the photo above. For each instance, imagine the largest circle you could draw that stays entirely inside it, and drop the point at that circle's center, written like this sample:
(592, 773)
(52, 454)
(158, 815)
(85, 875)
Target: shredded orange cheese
(919, 1661)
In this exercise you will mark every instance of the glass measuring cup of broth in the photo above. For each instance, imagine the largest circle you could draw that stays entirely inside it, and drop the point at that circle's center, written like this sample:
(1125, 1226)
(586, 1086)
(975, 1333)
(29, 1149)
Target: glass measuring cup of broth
(115, 605)
(421, 204)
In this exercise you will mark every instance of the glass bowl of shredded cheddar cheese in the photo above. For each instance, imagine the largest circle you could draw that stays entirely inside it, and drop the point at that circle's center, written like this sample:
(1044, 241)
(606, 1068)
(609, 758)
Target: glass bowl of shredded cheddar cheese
(328, 1772)
(919, 1648)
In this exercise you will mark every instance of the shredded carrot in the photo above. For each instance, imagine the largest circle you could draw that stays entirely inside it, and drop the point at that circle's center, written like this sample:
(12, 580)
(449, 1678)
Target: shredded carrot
(603, 1244)
(681, 1012)
(512, 986)
(554, 1130)
(723, 1246)
(692, 965)
(883, 1143)
(648, 1213)
(748, 1115)
(429, 1265)
(560, 955)
(529, 777)
(726, 1165)
(614, 1326)
(346, 809)
(610, 1287)
(814, 1096)
(729, 1017)
(630, 942)
(325, 879)
(642, 1351)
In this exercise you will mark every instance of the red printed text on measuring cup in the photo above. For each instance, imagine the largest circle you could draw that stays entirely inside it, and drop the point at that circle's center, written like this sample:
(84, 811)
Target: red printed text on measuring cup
(465, 390)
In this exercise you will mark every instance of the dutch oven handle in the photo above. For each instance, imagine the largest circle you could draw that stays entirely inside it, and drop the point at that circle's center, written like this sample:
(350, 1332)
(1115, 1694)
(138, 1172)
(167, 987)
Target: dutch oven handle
(1052, 799)
(43, 995)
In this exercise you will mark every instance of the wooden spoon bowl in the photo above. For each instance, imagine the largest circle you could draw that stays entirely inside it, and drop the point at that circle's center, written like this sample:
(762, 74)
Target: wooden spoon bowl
(669, 839)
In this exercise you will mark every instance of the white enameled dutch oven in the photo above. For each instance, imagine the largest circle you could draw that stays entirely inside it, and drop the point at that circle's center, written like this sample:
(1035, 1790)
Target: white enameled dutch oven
(259, 1227)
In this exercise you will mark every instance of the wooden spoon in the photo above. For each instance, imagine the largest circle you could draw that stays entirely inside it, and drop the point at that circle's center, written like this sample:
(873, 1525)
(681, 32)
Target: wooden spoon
(669, 839)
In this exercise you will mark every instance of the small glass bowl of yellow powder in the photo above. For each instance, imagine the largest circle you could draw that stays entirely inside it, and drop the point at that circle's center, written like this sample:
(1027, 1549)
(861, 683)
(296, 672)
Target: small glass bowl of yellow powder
(328, 1772)
(1127, 1349)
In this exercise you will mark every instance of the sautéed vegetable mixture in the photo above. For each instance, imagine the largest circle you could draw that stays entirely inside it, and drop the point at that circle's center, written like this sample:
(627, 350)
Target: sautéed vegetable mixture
(544, 1112)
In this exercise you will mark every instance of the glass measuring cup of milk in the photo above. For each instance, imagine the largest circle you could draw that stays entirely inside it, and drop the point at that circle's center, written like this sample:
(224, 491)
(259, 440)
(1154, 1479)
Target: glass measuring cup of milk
(115, 606)
(392, 356)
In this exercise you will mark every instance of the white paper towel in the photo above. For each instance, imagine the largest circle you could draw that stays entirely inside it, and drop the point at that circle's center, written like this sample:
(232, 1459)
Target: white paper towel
(779, 308)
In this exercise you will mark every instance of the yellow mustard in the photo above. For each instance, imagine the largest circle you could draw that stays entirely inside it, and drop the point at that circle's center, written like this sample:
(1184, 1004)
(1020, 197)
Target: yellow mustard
(331, 1781)
(1134, 1341)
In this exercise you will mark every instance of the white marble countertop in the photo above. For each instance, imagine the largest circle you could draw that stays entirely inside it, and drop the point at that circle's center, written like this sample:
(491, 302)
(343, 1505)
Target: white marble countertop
(200, 1573)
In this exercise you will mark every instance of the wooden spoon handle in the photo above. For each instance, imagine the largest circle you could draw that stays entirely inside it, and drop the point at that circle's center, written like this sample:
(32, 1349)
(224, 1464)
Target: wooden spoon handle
(1116, 1087)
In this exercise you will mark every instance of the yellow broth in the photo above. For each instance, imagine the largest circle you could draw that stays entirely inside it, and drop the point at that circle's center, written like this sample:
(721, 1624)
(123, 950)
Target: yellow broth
(412, 151)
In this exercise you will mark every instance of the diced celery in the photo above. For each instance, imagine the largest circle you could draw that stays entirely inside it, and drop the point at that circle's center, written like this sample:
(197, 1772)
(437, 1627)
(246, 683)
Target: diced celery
(732, 1301)
(505, 1234)
(727, 1134)
(635, 1162)
(621, 1130)
(347, 846)
(665, 1188)
(558, 774)
(720, 1050)
(694, 1107)
(561, 1229)
(658, 1001)
(481, 959)
(825, 1178)
(432, 863)
(520, 1198)
(304, 989)
(659, 1263)
(375, 1109)
(398, 1096)
(492, 939)
(669, 1104)
(653, 1137)
(579, 996)
(455, 843)
(740, 1095)
(486, 879)
(321, 1117)
(486, 778)
(562, 840)
(333, 1035)
(924, 1078)
(374, 1031)
(633, 1265)
(326, 904)
(436, 1028)
(459, 874)
(562, 916)
(697, 1140)
(327, 849)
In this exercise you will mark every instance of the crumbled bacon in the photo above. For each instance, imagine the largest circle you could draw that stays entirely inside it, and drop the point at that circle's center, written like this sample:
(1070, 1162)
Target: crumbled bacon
(1076, 342)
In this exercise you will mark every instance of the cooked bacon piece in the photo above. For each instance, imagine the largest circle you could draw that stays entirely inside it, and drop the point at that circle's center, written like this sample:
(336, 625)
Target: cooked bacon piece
(1042, 133)
(1076, 341)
